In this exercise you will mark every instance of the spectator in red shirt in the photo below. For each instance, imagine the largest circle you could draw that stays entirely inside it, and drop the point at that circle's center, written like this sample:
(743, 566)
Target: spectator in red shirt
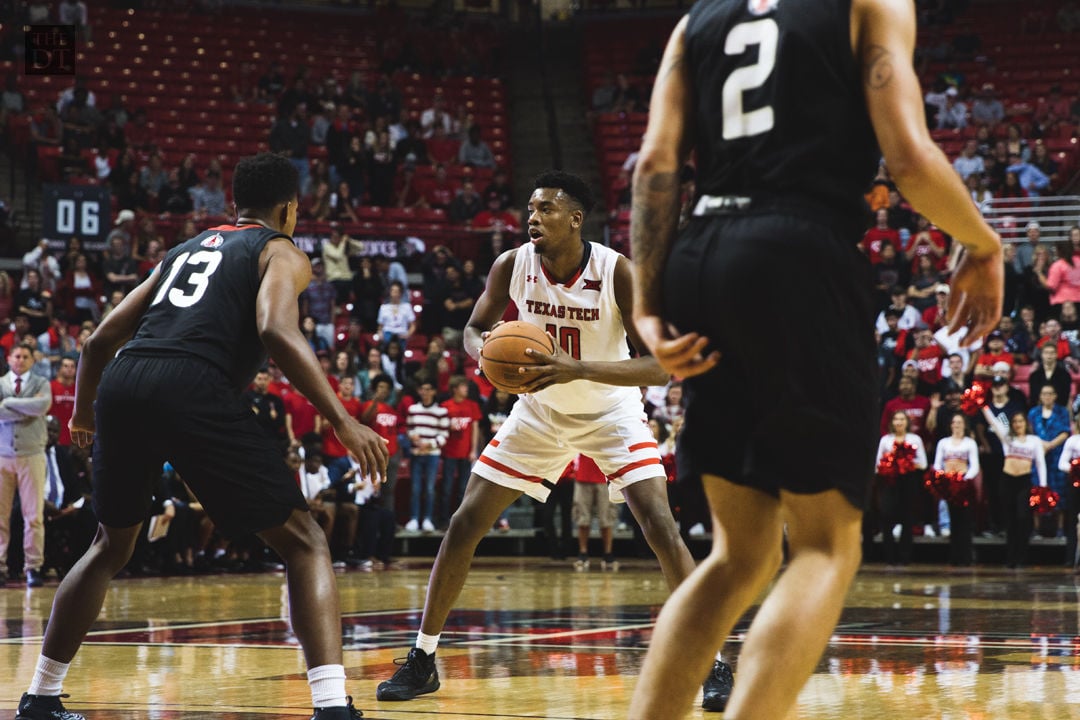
(19, 331)
(926, 240)
(381, 417)
(300, 417)
(934, 316)
(928, 356)
(63, 398)
(462, 446)
(494, 218)
(994, 352)
(1053, 335)
(917, 407)
(875, 236)
(440, 191)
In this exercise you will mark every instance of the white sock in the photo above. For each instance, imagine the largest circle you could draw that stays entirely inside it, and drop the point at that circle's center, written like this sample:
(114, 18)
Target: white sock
(327, 685)
(427, 643)
(719, 657)
(48, 677)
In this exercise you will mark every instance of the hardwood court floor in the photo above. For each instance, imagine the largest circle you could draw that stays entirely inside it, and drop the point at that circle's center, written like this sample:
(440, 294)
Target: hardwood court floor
(533, 639)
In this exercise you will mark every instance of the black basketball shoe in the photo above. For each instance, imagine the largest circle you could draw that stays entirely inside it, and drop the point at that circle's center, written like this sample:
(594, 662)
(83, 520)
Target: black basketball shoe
(416, 676)
(44, 707)
(337, 713)
(717, 687)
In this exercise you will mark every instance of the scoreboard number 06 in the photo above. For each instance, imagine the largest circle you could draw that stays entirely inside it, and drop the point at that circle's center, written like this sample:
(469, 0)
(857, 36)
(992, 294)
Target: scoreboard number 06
(86, 212)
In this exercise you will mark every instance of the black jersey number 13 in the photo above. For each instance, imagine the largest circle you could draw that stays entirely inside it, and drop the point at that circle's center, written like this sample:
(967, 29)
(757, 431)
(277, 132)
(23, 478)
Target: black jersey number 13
(195, 283)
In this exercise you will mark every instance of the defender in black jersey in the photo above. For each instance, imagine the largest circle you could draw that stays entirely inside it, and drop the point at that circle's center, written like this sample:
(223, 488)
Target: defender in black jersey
(190, 339)
(764, 304)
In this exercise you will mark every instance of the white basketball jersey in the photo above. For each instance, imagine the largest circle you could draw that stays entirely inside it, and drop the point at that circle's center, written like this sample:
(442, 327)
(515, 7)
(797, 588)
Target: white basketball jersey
(585, 321)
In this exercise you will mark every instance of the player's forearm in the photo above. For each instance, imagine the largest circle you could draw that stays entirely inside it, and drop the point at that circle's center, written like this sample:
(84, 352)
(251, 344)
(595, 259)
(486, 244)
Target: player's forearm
(654, 218)
(927, 180)
(635, 372)
(472, 341)
(293, 355)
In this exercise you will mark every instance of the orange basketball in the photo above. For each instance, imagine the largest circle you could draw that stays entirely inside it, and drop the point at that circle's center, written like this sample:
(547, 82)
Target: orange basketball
(504, 352)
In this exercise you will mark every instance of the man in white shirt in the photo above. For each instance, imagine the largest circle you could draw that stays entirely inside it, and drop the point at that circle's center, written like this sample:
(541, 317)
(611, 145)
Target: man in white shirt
(24, 400)
(396, 316)
(968, 161)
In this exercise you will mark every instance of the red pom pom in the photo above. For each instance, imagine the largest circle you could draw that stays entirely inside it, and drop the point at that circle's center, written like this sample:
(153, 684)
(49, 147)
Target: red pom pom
(950, 487)
(974, 400)
(905, 458)
(887, 467)
(1043, 500)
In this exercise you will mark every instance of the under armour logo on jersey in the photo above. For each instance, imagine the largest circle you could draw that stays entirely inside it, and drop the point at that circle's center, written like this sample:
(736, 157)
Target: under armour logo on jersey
(762, 7)
(532, 278)
(591, 285)
(213, 241)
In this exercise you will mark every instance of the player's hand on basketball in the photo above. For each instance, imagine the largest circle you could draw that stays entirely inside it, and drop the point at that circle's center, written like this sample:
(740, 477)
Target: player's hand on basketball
(82, 429)
(366, 446)
(978, 288)
(553, 369)
(484, 335)
(680, 355)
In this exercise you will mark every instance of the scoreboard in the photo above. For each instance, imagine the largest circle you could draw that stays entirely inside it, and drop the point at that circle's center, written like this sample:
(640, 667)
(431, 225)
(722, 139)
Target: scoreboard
(82, 211)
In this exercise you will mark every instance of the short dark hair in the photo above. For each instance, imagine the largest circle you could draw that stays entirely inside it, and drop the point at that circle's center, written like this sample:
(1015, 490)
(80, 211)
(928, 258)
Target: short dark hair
(382, 378)
(574, 187)
(263, 181)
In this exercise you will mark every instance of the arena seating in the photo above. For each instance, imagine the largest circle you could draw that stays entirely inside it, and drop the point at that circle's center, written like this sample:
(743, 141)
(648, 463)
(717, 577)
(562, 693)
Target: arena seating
(180, 67)
(1022, 63)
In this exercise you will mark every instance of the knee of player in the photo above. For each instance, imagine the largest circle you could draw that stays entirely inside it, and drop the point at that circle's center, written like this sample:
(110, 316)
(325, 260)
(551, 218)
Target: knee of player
(657, 523)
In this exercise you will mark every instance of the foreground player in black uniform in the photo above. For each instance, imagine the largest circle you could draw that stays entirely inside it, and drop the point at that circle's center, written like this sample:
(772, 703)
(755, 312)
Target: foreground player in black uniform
(202, 324)
(781, 100)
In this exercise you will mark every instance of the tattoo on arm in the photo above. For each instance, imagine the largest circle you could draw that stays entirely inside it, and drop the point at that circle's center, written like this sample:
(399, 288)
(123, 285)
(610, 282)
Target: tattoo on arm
(653, 221)
(877, 67)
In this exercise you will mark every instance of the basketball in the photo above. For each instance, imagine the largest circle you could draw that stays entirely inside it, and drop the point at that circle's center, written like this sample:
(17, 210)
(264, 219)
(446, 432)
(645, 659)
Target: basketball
(504, 352)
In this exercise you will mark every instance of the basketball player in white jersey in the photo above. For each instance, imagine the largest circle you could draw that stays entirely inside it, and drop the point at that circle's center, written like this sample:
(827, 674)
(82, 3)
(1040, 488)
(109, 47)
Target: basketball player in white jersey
(583, 399)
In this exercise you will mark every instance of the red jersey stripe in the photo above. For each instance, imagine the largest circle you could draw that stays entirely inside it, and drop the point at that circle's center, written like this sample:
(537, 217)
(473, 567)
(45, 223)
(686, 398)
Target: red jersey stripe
(634, 466)
(509, 470)
(642, 445)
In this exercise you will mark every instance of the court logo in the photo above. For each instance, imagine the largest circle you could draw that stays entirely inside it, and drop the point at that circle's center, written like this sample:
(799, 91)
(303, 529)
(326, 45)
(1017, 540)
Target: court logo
(213, 241)
(50, 49)
(762, 7)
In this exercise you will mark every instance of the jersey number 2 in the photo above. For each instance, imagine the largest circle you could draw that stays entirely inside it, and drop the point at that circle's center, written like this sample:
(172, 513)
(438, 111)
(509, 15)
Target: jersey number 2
(737, 122)
(195, 285)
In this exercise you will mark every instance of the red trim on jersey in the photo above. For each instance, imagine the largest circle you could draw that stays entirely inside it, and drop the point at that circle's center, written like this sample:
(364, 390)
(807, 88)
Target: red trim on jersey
(230, 228)
(586, 254)
(642, 445)
(634, 466)
(509, 470)
(494, 443)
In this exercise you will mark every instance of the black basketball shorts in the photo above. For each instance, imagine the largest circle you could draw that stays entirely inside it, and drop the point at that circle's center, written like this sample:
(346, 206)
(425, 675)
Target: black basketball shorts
(792, 404)
(152, 409)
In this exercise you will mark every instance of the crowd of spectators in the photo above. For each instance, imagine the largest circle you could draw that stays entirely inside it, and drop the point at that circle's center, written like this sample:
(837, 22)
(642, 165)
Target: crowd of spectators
(1031, 363)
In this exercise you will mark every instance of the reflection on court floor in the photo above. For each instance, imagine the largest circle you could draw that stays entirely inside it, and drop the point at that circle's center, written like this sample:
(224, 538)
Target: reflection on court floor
(534, 639)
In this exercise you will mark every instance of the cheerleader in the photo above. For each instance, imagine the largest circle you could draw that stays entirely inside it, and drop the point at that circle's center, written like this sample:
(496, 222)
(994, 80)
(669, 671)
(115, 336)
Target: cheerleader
(959, 453)
(1070, 497)
(897, 498)
(1024, 457)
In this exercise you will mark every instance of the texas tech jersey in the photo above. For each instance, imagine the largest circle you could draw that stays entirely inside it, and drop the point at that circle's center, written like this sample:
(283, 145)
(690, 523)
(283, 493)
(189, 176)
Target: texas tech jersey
(204, 301)
(584, 319)
(780, 110)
